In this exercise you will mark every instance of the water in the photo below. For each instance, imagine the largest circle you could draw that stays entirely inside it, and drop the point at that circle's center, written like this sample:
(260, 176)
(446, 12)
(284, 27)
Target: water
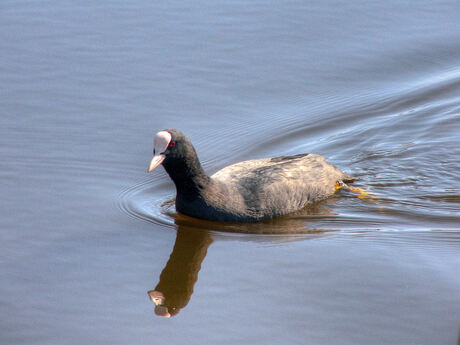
(86, 233)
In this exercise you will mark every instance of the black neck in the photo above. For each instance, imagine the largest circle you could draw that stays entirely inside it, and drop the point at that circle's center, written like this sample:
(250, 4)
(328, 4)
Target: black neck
(188, 175)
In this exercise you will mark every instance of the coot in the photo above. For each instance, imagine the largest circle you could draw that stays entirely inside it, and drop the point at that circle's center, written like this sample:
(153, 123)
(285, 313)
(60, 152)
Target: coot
(248, 191)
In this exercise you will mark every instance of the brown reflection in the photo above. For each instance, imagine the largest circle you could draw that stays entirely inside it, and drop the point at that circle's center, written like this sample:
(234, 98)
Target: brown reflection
(180, 274)
(175, 288)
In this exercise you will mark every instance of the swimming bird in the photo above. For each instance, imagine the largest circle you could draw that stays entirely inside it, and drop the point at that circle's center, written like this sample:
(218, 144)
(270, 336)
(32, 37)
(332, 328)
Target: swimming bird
(247, 191)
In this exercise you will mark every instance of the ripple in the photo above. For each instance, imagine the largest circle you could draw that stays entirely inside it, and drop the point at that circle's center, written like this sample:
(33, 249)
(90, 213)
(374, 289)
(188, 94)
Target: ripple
(142, 201)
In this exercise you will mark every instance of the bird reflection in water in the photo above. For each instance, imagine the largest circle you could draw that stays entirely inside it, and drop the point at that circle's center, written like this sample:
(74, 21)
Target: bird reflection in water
(177, 279)
(175, 288)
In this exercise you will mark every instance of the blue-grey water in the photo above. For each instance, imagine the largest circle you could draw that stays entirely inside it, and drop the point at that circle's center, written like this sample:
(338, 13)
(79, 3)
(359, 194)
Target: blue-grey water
(86, 233)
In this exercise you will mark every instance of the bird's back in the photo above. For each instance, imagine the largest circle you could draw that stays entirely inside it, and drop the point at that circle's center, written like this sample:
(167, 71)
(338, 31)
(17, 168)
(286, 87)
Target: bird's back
(275, 186)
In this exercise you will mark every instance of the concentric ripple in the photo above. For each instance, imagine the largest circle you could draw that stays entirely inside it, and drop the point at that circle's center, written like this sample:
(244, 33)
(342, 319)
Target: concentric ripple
(148, 200)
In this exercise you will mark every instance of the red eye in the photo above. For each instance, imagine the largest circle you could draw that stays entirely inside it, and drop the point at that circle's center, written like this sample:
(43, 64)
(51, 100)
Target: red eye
(172, 144)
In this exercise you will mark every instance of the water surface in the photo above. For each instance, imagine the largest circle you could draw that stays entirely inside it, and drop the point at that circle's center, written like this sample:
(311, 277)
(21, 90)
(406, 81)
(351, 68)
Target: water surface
(89, 238)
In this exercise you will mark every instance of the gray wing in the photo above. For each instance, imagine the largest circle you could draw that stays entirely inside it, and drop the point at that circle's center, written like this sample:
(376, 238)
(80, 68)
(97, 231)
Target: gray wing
(281, 185)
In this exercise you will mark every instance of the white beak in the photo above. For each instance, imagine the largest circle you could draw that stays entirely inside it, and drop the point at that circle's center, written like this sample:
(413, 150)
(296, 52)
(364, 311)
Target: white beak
(156, 161)
(160, 144)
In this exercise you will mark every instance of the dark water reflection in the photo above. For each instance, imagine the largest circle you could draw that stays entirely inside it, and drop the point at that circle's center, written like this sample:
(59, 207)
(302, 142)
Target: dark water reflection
(178, 277)
(180, 274)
